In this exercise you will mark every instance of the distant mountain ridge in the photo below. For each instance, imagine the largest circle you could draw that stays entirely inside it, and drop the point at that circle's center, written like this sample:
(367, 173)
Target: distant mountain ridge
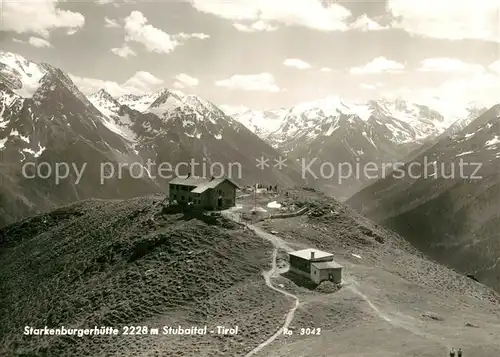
(407, 121)
(335, 131)
(174, 127)
(449, 208)
(45, 118)
(261, 122)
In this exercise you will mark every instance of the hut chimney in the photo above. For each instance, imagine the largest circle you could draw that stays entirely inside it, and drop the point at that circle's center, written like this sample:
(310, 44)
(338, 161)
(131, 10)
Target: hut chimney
(312, 255)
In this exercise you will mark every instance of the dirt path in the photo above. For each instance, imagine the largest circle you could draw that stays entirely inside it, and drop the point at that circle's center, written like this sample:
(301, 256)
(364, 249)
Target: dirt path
(290, 315)
(278, 243)
(275, 240)
(394, 320)
(351, 284)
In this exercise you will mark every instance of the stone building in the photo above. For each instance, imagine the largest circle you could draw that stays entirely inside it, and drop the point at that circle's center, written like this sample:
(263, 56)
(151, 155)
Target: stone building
(315, 265)
(204, 193)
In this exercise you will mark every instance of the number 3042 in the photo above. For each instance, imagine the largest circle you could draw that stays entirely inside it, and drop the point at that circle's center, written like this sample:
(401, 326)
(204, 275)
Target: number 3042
(310, 331)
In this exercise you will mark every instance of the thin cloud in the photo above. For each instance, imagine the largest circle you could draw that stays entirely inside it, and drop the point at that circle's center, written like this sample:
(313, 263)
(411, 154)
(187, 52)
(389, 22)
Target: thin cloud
(184, 80)
(110, 23)
(262, 82)
(141, 82)
(39, 42)
(446, 64)
(124, 51)
(233, 109)
(257, 26)
(378, 65)
(364, 23)
(371, 86)
(187, 36)
(35, 42)
(296, 63)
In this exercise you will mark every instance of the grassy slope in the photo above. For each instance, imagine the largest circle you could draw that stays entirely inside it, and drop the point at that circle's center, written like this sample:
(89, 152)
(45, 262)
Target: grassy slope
(428, 305)
(102, 263)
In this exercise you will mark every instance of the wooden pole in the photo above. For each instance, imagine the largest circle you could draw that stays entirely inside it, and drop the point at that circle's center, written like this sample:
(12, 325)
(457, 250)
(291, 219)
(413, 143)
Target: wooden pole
(255, 196)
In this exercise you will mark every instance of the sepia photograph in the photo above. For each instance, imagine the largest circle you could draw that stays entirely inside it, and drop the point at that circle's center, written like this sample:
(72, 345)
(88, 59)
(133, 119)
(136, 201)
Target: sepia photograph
(238, 178)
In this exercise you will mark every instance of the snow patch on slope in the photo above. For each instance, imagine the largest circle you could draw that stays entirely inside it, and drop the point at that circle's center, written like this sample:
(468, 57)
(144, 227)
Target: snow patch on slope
(138, 102)
(261, 122)
(166, 102)
(109, 108)
(464, 153)
(494, 141)
(41, 149)
(362, 111)
(370, 140)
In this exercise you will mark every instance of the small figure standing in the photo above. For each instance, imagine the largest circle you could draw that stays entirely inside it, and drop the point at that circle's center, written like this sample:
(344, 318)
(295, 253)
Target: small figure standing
(459, 353)
(452, 352)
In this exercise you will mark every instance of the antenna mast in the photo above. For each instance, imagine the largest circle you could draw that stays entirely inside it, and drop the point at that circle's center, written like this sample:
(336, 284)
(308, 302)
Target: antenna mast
(255, 197)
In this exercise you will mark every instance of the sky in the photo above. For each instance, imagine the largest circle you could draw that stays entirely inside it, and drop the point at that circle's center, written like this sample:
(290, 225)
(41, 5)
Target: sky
(265, 54)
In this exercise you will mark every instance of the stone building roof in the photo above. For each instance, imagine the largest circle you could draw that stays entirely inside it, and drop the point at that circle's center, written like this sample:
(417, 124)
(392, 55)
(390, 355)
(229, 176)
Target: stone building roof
(201, 184)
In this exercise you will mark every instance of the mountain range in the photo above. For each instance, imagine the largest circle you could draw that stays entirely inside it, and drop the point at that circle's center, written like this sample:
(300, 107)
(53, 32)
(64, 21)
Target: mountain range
(333, 131)
(117, 260)
(445, 200)
(135, 142)
(46, 118)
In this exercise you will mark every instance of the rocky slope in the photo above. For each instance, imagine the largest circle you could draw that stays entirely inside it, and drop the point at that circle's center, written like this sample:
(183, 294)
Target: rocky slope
(170, 127)
(445, 200)
(46, 122)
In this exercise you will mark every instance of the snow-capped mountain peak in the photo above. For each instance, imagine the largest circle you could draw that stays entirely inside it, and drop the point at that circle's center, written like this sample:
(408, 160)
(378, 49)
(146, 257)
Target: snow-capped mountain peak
(21, 75)
(139, 102)
(112, 117)
(33, 80)
(105, 102)
(165, 101)
(261, 122)
(103, 95)
(201, 104)
(329, 106)
(170, 103)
